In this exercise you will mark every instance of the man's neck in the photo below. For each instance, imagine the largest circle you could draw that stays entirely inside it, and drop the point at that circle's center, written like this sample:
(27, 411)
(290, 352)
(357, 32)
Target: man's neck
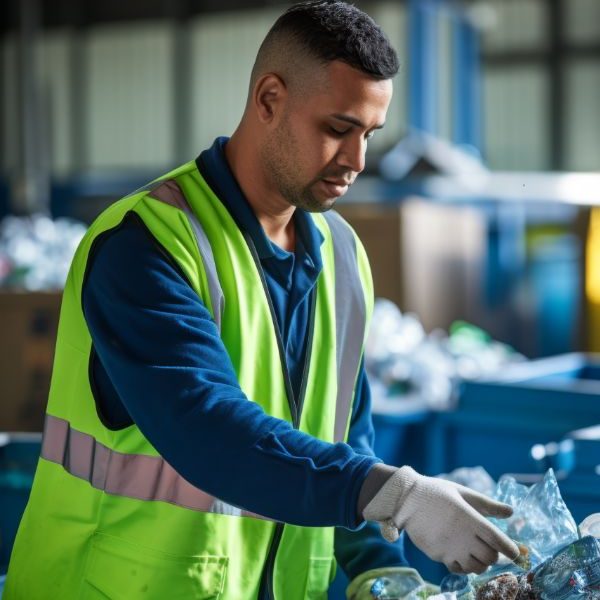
(273, 213)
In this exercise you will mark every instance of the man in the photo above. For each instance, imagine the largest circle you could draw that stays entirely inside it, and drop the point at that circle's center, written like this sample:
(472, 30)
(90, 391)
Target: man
(209, 371)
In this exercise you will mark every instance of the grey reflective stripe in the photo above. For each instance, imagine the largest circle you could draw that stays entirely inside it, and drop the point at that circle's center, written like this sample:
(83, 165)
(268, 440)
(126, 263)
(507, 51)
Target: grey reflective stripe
(131, 475)
(146, 188)
(350, 318)
(170, 193)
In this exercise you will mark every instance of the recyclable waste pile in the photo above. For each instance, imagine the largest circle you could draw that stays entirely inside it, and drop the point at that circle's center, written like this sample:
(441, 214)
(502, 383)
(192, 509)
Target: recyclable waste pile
(557, 561)
(36, 251)
(404, 362)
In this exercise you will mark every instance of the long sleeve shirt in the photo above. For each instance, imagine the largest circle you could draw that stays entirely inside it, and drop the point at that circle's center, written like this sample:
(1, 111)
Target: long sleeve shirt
(159, 363)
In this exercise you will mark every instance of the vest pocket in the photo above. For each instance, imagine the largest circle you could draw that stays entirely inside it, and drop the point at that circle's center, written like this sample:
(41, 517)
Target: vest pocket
(121, 570)
(319, 578)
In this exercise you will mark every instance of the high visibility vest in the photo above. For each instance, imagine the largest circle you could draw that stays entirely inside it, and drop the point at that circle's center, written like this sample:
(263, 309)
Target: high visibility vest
(108, 517)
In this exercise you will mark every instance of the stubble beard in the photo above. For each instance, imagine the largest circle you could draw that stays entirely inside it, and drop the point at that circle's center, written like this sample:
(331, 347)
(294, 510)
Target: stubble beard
(281, 156)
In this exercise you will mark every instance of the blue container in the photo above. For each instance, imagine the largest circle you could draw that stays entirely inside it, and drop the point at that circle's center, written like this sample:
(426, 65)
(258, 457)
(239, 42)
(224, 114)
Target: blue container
(498, 420)
(580, 488)
(19, 454)
(400, 436)
(585, 448)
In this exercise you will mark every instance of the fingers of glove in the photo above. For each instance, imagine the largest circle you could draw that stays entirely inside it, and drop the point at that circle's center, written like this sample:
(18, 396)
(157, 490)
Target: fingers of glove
(466, 565)
(480, 557)
(484, 553)
(454, 567)
(389, 531)
(474, 565)
(486, 506)
(497, 540)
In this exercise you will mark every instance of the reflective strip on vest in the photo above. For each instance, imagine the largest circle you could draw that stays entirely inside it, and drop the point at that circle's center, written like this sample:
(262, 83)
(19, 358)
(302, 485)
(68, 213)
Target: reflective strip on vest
(131, 475)
(350, 318)
(170, 193)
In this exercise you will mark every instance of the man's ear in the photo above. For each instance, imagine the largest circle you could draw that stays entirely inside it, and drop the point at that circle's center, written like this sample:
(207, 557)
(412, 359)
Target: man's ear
(269, 95)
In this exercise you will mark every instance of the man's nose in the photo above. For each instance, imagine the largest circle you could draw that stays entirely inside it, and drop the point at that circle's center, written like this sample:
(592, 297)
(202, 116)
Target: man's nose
(352, 154)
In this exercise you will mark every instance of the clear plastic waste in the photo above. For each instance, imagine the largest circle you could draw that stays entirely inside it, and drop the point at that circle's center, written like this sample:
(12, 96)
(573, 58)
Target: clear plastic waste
(572, 573)
(405, 362)
(541, 520)
(36, 252)
(458, 585)
(398, 587)
(476, 478)
(555, 564)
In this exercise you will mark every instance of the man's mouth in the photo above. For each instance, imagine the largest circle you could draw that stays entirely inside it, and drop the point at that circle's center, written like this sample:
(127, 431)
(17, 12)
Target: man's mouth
(336, 187)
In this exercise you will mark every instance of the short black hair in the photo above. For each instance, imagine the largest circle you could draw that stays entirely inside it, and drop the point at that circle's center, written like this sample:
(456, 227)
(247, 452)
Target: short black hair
(334, 30)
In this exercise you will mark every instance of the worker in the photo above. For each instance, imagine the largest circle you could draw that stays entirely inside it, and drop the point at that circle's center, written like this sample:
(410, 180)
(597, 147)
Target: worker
(208, 432)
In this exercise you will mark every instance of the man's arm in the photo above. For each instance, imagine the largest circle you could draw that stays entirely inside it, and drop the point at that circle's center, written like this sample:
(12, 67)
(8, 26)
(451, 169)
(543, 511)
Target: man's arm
(364, 549)
(165, 359)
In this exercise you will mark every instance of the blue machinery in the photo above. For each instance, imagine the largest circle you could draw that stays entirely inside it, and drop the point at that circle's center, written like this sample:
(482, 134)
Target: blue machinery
(424, 19)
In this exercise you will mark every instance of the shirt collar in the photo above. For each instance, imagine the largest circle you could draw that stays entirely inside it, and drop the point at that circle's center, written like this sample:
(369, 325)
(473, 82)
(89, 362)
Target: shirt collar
(213, 166)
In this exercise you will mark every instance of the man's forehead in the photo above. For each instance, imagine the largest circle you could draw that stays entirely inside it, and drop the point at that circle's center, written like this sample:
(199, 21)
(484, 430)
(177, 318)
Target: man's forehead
(354, 96)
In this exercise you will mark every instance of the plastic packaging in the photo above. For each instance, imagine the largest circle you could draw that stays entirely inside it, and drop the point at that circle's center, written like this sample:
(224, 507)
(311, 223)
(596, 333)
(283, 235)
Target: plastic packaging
(459, 585)
(476, 478)
(541, 520)
(399, 587)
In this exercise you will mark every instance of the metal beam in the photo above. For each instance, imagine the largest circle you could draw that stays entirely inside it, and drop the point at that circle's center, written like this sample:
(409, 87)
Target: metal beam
(31, 186)
(423, 65)
(556, 70)
(182, 66)
(466, 91)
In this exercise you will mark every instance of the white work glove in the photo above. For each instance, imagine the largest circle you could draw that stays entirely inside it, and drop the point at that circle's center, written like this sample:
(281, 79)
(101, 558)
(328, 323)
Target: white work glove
(443, 519)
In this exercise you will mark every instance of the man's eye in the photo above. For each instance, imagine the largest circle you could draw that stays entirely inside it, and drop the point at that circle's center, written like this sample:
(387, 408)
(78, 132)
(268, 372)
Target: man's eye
(369, 135)
(337, 131)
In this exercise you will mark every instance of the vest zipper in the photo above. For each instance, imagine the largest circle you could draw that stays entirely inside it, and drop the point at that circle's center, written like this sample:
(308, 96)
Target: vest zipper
(295, 409)
(308, 352)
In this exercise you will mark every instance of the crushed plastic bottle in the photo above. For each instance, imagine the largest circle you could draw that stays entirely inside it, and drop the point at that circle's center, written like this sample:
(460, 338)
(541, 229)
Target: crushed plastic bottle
(396, 588)
(572, 573)
(458, 585)
(405, 586)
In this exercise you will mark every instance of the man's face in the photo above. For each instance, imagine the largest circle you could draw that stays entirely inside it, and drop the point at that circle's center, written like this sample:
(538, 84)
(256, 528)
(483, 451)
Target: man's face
(318, 147)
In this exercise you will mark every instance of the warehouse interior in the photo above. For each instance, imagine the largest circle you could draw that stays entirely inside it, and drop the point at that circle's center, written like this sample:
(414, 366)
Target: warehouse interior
(479, 210)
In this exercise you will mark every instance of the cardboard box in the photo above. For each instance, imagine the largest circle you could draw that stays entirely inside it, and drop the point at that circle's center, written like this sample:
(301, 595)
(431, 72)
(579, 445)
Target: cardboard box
(379, 227)
(28, 326)
(427, 257)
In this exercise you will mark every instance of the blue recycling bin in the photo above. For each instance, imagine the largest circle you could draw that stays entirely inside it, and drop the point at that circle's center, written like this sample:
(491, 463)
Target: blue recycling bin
(19, 454)
(499, 419)
(580, 484)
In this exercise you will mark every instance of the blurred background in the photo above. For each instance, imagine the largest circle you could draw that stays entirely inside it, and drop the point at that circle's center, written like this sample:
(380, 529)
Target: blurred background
(478, 208)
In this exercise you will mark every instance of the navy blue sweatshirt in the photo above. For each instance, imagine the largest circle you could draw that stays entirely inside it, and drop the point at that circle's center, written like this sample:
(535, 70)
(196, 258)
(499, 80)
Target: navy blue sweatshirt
(159, 362)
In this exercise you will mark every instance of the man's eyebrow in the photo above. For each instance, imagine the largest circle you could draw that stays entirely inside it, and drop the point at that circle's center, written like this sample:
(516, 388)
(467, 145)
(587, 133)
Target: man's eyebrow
(354, 121)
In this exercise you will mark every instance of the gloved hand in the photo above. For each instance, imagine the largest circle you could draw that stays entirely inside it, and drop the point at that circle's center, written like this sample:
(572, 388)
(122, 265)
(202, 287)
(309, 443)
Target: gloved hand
(443, 519)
